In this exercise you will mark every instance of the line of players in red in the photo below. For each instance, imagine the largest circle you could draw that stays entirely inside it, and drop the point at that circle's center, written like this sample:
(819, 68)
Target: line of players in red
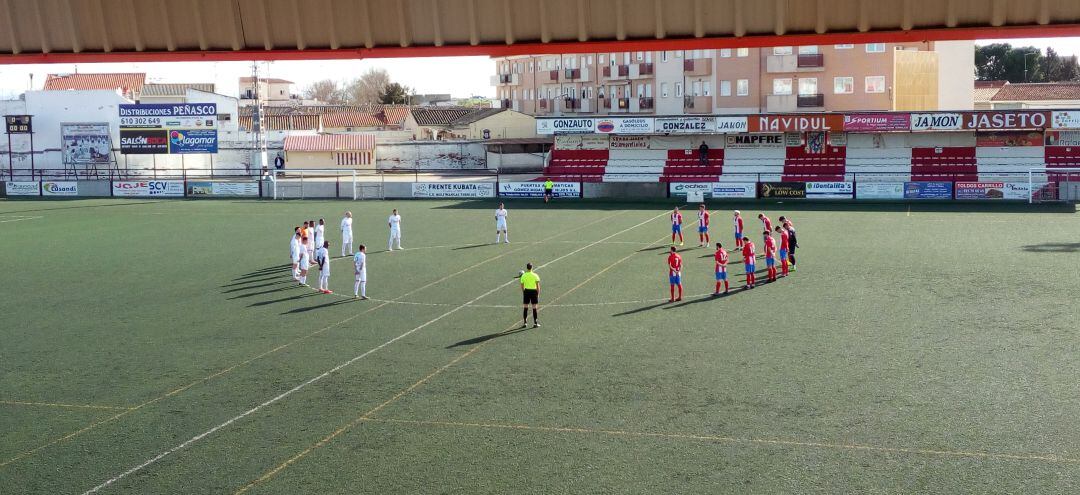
(785, 252)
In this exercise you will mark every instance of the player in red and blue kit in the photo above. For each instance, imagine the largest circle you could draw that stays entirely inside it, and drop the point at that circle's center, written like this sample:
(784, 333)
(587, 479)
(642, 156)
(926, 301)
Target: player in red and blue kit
(703, 226)
(793, 241)
(765, 221)
(770, 255)
(784, 244)
(674, 262)
(676, 226)
(749, 255)
(721, 258)
(738, 229)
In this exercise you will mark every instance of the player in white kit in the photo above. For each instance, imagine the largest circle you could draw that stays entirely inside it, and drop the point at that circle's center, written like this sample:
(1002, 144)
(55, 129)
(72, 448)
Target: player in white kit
(395, 230)
(320, 234)
(360, 270)
(304, 263)
(294, 253)
(500, 224)
(311, 239)
(322, 256)
(346, 234)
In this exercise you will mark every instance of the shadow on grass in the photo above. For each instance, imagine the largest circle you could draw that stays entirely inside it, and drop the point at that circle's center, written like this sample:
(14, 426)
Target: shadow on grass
(251, 281)
(319, 306)
(284, 299)
(262, 272)
(485, 338)
(641, 309)
(259, 293)
(471, 246)
(256, 286)
(1054, 247)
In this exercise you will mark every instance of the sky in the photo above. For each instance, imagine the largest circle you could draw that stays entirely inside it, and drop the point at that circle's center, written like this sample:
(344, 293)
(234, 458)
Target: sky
(459, 76)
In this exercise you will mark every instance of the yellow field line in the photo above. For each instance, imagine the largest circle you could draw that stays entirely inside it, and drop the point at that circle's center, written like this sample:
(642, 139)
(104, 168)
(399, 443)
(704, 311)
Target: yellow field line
(272, 351)
(71, 406)
(367, 416)
(754, 441)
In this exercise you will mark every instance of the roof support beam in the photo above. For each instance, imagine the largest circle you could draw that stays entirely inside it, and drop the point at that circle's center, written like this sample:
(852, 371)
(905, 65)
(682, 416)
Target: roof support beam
(170, 42)
(864, 16)
(739, 29)
(9, 19)
(997, 13)
(545, 32)
(1044, 12)
(39, 20)
(200, 30)
(436, 25)
(106, 41)
(508, 22)
(264, 15)
(781, 23)
(331, 24)
(73, 33)
(819, 15)
(298, 25)
(658, 13)
(474, 34)
(403, 25)
(620, 20)
(950, 13)
(582, 28)
(699, 20)
(907, 23)
(238, 26)
(136, 27)
(365, 24)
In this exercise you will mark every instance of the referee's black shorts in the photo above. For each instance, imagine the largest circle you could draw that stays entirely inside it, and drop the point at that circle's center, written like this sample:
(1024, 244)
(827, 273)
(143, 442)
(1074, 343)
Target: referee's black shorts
(530, 296)
(547, 191)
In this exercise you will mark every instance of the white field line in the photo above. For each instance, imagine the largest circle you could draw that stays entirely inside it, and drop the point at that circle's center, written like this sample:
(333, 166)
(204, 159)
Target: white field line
(341, 366)
(17, 218)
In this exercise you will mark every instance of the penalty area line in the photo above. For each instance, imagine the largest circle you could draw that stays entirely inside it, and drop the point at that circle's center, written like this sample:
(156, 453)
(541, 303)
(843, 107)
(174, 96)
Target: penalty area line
(335, 369)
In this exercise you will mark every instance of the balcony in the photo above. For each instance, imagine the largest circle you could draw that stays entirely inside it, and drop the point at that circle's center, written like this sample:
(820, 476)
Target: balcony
(811, 101)
(697, 104)
(572, 74)
(570, 105)
(505, 103)
(645, 104)
(697, 67)
(506, 79)
(811, 61)
(780, 64)
(641, 70)
(618, 72)
(547, 76)
(544, 107)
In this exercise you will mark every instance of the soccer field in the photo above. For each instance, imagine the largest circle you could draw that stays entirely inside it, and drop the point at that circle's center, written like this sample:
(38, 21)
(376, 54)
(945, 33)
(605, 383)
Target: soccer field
(161, 347)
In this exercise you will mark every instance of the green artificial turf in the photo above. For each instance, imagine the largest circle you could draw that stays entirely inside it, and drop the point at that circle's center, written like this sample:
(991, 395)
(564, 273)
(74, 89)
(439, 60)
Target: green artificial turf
(928, 348)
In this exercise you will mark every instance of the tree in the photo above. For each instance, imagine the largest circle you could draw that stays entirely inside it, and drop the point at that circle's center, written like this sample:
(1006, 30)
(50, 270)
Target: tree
(1003, 62)
(1057, 68)
(326, 91)
(394, 93)
(367, 88)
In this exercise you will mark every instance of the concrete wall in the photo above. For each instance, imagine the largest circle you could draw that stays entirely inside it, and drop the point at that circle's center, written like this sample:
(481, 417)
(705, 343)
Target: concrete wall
(624, 190)
(504, 125)
(513, 162)
(431, 155)
(957, 61)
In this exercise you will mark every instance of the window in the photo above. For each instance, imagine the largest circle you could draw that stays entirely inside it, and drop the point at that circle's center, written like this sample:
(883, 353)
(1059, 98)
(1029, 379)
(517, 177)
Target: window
(678, 53)
(742, 52)
(601, 59)
(678, 90)
(626, 58)
(588, 60)
(844, 47)
(648, 90)
(663, 90)
(531, 68)
(640, 56)
(781, 50)
(742, 87)
(664, 56)
(588, 92)
(725, 53)
(648, 57)
(875, 48)
(843, 85)
(696, 86)
(551, 64)
(513, 95)
(725, 88)
(808, 86)
(706, 88)
(697, 54)
(808, 50)
(875, 84)
(781, 86)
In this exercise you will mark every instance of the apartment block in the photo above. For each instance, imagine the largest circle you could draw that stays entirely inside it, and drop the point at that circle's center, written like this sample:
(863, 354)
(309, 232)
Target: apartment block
(783, 79)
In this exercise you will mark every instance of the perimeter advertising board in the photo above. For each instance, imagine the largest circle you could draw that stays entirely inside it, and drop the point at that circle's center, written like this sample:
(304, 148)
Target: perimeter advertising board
(830, 190)
(166, 128)
(624, 125)
(59, 188)
(879, 190)
(715, 190)
(565, 126)
(782, 189)
(228, 189)
(536, 189)
(453, 190)
(928, 190)
(88, 143)
(144, 188)
(20, 188)
(992, 190)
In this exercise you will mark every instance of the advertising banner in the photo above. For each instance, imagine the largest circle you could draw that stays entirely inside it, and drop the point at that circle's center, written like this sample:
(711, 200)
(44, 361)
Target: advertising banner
(686, 125)
(936, 121)
(980, 190)
(565, 126)
(715, 190)
(879, 190)
(1020, 119)
(629, 143)
(169, 116)
(59, 188)
(1008, 139)
(1063, 138)
(928, 190)
(581, 142)
(830, 190)
(86, 143)
(728, 125)
(231, 189)
(774, 140)
(144, 141)
(624, 125)
(1066, 119)
(183, 141)
(796, 123)
(453, 190)
(536, 189)
(782, 189)
(143, 188)
(17, 188)
(877, 122)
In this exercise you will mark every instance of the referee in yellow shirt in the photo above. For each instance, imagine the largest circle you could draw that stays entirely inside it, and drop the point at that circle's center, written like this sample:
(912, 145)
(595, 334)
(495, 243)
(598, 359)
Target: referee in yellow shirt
(530, 292)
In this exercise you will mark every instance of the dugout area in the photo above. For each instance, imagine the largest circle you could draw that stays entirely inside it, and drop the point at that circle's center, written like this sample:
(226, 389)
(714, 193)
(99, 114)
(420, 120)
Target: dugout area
(918, 349)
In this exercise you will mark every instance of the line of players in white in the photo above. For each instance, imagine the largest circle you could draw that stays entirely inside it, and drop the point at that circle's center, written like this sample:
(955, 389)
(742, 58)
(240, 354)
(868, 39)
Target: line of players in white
(308, 246)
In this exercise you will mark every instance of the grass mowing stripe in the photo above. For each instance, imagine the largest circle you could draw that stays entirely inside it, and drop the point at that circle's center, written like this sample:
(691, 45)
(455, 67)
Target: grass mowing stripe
(279, 348)
(271, 473)
(349, 362)
(737, 440)
(71, 406)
